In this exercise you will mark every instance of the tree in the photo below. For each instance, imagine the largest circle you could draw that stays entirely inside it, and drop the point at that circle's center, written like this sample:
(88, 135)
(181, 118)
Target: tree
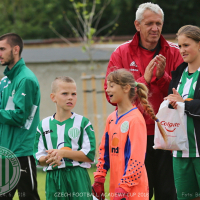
(30, 19)
(86, 24)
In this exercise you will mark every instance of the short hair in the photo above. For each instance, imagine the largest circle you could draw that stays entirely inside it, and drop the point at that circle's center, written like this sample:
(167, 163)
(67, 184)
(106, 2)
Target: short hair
(65, 79)
(190, 31)
(147, 6)
(13, 39)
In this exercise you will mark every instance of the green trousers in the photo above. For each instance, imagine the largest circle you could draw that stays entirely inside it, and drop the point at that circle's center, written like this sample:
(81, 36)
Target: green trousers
(71, 183)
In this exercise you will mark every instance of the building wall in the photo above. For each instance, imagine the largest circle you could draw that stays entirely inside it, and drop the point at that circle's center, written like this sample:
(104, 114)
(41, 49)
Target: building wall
(46, 73)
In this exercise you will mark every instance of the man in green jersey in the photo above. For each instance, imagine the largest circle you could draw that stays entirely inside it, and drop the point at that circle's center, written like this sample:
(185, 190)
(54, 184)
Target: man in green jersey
(19, 116)
(65, 146)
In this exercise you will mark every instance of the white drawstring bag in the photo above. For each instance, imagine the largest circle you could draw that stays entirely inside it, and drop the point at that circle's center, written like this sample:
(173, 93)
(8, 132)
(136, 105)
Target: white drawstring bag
(173, 122)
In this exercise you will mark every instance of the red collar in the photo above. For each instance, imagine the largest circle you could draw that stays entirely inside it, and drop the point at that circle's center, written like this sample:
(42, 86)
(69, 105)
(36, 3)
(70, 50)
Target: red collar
(136, 39)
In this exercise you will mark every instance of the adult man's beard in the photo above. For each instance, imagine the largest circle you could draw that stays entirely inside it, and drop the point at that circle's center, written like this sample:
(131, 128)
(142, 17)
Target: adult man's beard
(10, 61)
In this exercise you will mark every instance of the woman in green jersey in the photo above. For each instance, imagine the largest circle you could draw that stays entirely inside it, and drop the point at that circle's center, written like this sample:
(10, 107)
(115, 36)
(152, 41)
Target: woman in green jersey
(65, 146)
(185, 87)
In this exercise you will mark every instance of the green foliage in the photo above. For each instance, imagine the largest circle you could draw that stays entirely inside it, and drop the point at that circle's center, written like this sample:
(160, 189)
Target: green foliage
(31, 18)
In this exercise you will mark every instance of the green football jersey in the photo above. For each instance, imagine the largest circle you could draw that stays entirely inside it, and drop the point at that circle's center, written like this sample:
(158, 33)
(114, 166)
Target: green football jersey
(186, 89)
(76, 133)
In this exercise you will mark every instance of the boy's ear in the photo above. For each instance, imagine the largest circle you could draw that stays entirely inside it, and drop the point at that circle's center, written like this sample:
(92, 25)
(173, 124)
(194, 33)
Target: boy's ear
(52, 96)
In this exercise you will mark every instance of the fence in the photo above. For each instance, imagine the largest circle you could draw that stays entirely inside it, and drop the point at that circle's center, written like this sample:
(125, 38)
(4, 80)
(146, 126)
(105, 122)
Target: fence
(95, 103)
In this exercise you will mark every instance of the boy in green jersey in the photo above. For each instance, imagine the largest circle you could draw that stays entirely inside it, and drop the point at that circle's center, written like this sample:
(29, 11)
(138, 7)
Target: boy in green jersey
(65, 146)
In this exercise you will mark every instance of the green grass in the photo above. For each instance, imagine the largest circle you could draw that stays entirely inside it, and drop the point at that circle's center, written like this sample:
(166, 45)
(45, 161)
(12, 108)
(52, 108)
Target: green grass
(41, 178)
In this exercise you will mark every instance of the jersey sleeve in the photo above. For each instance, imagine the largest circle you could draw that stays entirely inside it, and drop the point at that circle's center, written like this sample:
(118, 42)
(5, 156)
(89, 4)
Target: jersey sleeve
(142, 80)
(135, 150)
(40, 147)
(89, 142)
(192, 108)
(103, 164)
(163, 83)
(20, 106)
(3, 82)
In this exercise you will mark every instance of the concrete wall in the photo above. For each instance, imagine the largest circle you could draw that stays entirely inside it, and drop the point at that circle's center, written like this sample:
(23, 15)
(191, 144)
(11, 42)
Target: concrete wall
(46, 73)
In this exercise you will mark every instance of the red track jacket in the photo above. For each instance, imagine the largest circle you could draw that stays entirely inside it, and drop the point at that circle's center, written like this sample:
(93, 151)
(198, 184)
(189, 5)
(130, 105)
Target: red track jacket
(128, 56)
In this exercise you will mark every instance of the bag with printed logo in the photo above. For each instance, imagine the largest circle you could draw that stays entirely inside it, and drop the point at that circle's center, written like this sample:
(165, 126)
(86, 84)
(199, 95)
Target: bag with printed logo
(173, 122)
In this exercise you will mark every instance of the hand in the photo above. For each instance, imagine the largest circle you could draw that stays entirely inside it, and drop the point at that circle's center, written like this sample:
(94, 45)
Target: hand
(54, 157)
(174, 98)
(149, 71)
(120, 194)
(160, 65)
(98, 188)
(51, 153)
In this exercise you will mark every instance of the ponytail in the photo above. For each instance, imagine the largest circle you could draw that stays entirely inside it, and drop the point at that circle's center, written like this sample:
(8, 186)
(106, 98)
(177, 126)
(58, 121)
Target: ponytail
(142, 93)
(123, 77)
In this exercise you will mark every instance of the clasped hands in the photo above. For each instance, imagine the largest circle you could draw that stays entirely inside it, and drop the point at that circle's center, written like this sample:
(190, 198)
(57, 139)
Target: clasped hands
(54, 157)
(159, 62)
(174, 98)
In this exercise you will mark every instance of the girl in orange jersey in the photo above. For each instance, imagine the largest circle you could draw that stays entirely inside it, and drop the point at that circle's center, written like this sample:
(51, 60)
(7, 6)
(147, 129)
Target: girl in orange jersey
(123, 145)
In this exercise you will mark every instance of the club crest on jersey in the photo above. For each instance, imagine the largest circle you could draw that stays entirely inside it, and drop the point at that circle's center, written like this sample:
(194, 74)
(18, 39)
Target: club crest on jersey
(74, 133)
(124, 127)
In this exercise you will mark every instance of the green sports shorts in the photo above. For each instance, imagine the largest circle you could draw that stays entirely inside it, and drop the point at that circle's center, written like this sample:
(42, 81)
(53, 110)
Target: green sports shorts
(70, 183)
(187, 177)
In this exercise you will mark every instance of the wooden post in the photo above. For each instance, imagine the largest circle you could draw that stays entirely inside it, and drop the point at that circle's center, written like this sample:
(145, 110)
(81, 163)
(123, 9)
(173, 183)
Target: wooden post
(84, 83)
(93, 78)
(103, 101)
(96, 129)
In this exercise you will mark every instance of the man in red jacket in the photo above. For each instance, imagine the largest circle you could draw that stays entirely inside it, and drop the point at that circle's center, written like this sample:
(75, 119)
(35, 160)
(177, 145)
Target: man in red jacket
(151, 59)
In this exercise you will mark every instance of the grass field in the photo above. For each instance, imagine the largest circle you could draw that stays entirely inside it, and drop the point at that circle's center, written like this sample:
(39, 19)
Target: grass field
(41, 178)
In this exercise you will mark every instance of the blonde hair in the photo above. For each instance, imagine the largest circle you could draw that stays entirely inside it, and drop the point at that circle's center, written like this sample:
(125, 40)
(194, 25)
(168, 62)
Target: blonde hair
(65, 79)
(123, 77)
(190, 31)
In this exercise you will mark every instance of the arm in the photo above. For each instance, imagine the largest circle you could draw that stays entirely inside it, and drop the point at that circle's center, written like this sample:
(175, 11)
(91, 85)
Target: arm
(159, 62)
(135, 150)
(42, 161)
(164, 81)
(103, 164)
(192, 108)
(39, 148)
(23, 101)
(56, 155)
(85, 154)
(146, 78)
